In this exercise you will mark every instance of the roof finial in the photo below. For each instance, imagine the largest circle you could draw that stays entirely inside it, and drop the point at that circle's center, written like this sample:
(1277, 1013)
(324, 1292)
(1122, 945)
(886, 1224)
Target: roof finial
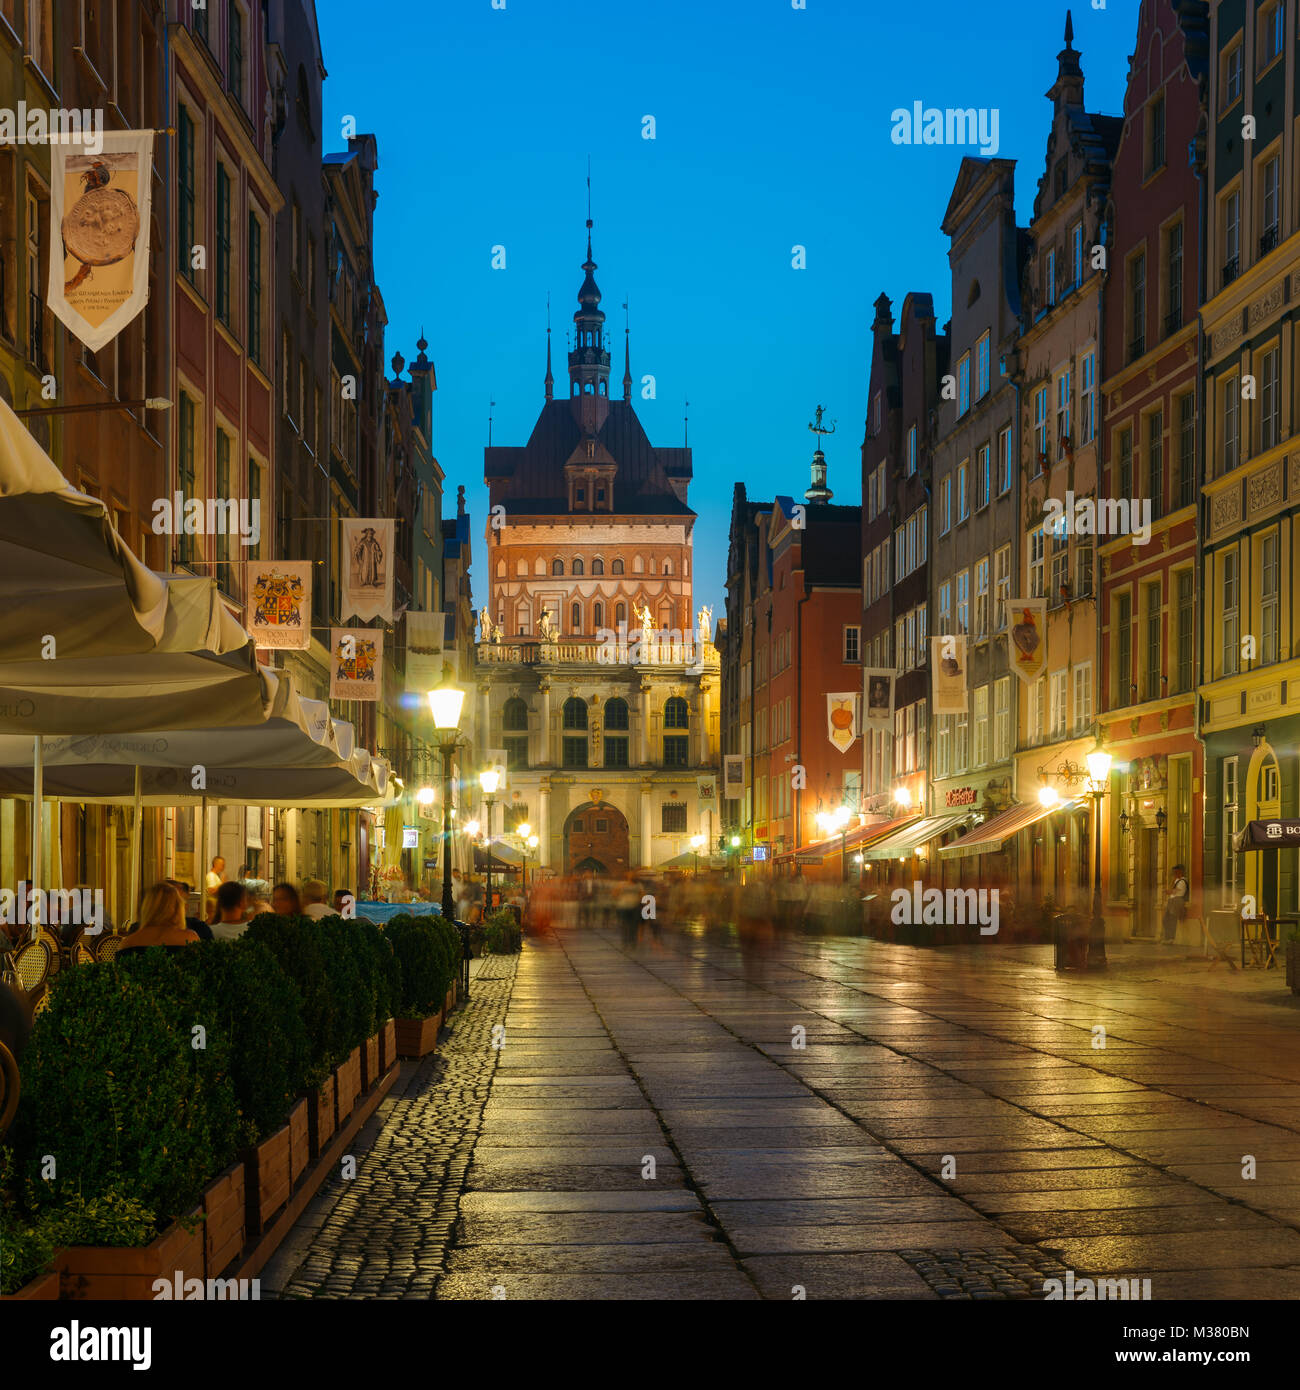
(492, 405)
(686, 426)
(627, 352)
(1069, 29)
(550, 380)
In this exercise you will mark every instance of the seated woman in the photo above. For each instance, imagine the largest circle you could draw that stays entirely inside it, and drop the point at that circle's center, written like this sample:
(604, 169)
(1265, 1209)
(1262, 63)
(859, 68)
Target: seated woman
(162, 922)
(285, 900)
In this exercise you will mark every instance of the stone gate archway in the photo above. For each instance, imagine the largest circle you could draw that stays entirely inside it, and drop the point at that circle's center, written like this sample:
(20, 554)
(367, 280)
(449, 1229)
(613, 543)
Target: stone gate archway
(596, 840)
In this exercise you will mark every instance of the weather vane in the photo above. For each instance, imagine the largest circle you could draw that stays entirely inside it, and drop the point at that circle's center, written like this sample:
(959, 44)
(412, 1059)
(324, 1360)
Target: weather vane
(819, 428)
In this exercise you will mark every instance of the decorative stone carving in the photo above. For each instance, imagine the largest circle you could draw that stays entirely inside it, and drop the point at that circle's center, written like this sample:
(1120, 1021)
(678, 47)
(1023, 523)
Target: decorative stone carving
(1225, 510)
(1264, 490)
(1227, 335)
(1293, 475)
(1262, 308)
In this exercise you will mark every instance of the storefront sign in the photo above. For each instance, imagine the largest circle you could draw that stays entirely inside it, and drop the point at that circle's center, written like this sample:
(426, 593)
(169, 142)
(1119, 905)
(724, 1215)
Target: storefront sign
(961, 796)
(410, 837)
(760, 853)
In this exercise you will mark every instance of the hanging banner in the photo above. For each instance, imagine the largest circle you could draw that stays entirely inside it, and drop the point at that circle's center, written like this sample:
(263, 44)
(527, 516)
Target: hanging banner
(278, 613)
(878, 687)
(707, 789)
(368, 571)
(843, 719)
(252, 827)
(99, 214)
(733, 776)
(1028, 618)
(426, 651)
(356, 662)
(948, 662)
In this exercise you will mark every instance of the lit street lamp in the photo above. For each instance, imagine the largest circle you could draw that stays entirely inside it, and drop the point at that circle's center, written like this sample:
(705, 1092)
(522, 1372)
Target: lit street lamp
(696, 842)
(489, 779)
(445, 703)
(1099, 762)
(838, 819)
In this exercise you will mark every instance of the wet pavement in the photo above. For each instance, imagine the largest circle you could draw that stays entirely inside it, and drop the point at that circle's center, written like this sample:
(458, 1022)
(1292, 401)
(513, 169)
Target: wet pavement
(841, 1118)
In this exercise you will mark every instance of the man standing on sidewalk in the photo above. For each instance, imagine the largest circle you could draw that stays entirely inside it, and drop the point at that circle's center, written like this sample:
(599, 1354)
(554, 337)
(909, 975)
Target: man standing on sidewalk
(1175, 904)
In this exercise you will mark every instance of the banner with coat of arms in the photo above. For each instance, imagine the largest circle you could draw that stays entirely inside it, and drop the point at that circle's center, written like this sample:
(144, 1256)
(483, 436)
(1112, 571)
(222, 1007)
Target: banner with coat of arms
(356, 662)
(368, 568)
(279, 604)
(100, 193)
(1028, 617)
(843, 719)
(706, 788)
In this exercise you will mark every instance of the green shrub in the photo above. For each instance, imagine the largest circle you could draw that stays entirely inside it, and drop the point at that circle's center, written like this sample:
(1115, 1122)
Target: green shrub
(110, 1219)
(501, 935)
(114, 1092)
(420, 948)
(385, 975)
(299, 951)
(354, 1003)
(26, 1242)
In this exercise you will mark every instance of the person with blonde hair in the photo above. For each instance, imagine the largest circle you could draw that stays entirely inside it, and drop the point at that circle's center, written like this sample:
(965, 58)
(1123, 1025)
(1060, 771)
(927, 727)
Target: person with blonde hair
(162, 921)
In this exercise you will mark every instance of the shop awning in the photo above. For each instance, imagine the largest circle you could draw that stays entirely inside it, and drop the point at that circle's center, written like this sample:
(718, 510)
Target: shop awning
(990, 837)
(905, 842)
(1267, 834)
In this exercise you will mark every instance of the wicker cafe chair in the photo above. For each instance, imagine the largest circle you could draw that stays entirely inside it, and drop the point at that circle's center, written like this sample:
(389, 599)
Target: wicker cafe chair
(31, 965)
(82, 954)
(8, 1087)
(52, 944)
(109, 946)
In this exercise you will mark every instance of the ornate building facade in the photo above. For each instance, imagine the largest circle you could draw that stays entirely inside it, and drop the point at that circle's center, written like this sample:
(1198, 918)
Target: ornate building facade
(592, 675)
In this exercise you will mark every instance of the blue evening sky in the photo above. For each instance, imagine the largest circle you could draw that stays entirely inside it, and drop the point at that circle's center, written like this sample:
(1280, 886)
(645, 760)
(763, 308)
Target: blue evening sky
(772, 129)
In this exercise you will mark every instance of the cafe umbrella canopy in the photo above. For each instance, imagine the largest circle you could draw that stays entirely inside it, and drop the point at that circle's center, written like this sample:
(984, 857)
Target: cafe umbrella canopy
(1280, 833)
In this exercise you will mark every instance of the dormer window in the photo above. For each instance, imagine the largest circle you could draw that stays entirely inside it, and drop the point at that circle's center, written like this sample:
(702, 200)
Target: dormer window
(580, 494)
(600, 494)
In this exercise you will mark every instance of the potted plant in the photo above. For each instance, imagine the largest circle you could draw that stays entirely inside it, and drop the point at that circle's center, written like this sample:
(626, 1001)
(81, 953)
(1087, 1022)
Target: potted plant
(420, 951)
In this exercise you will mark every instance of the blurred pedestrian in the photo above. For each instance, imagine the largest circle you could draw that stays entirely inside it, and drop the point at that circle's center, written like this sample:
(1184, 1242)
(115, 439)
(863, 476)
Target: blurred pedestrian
(313, 899)
(231, 922)
(285, 900)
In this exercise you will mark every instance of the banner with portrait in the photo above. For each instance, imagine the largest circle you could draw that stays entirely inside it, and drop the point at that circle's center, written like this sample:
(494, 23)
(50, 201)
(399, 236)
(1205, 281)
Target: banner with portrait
(1028, 622)
(733, 776)
(878, 704)
(948, 663)
(278, 611)
(367, 568)
(356, 663)
(843, 719)
(100, 192)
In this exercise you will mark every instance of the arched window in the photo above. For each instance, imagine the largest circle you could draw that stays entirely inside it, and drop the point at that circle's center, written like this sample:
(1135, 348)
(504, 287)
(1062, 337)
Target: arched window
(617, 567)
(521, 569)
(501, 569)
(668, 566)
(575, 618)
(598, 616)
(620, 614)
(575, 713)
(539, 566)
(576, 567)
(598, 566)
(616, 717)
(677, 745)
(638, 565)
(557, 566)
(514, 716)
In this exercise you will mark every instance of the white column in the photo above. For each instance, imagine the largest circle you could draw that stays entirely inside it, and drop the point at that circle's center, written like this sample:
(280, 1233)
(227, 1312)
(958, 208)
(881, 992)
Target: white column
(484, 730)
(646, 829)
(544, 742)
(645, 723)
(702, 735)
(544, 825)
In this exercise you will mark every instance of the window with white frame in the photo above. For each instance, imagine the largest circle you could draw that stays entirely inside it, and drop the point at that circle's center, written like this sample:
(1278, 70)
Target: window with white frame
(1270, 398)
(900, 645)
(945, 505)
(1040, 432)
(963, 495)
(1001, 586)
(942, 756)
(922, 735)
(982, 479)
(852, 645)
(911, 451)
(1062, 414)
(982, 598)
(1082, 696)
(1088, 398)
(909, 638)
(1037, 577)
(1076, 255)
(1059, 695)
(1034, 722)
(1083, 554)
(980, 749)
(1004, 462)
(1231, 423)
(1060, 567)
(1269, 598)
(982, 367)
(963, 604)
(1002, 719)
(1230, 629)
(963, 384)
(945, 609)
(960, 732)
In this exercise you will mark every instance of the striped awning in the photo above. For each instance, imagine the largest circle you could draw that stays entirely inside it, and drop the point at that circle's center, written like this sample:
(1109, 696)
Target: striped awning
(905, 842)
(990, 837)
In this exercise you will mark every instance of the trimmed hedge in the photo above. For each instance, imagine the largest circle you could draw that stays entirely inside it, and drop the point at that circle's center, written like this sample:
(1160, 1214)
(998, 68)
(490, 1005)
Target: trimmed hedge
(420, 947)
(502, 934)
(299, 951)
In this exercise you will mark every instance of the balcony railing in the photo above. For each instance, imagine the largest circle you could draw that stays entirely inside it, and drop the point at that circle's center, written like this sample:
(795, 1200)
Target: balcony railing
(1173, 320)
(1136, 347)
(1268, 242)
(673, 649)
(1231, 270)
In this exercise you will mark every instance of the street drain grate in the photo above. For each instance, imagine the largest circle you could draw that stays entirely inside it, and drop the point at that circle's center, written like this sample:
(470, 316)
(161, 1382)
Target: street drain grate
(1016, 1271)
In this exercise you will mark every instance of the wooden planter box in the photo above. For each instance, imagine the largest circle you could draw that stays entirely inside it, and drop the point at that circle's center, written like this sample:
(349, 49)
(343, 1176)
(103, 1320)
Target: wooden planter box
(299, 1141)
(44, 1288)
(223, 1221)
(321, 1122)
(267, 1178)
(107, 1272)
(370, 1069)
(417, 1037)
(449, 1003)
(348, 1078)
(387, 1046)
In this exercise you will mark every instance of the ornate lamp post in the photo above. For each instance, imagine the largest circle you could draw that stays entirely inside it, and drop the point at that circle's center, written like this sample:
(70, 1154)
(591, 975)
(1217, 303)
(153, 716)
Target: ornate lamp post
(446, 702)
(1099, 762)
(525, 833)
(489, 780)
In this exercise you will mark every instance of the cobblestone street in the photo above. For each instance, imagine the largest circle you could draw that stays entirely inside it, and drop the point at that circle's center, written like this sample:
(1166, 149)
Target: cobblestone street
(843, 1118)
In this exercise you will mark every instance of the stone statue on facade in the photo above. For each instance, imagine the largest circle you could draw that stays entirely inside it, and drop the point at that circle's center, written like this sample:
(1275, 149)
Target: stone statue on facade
(706, 624)
(545, 628)
(485, 625)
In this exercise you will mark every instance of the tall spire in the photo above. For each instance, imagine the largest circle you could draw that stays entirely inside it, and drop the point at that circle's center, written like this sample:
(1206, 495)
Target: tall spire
(550, 380)
(589, 359)
(819, 492)
(627, 353)
(1067, 90)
